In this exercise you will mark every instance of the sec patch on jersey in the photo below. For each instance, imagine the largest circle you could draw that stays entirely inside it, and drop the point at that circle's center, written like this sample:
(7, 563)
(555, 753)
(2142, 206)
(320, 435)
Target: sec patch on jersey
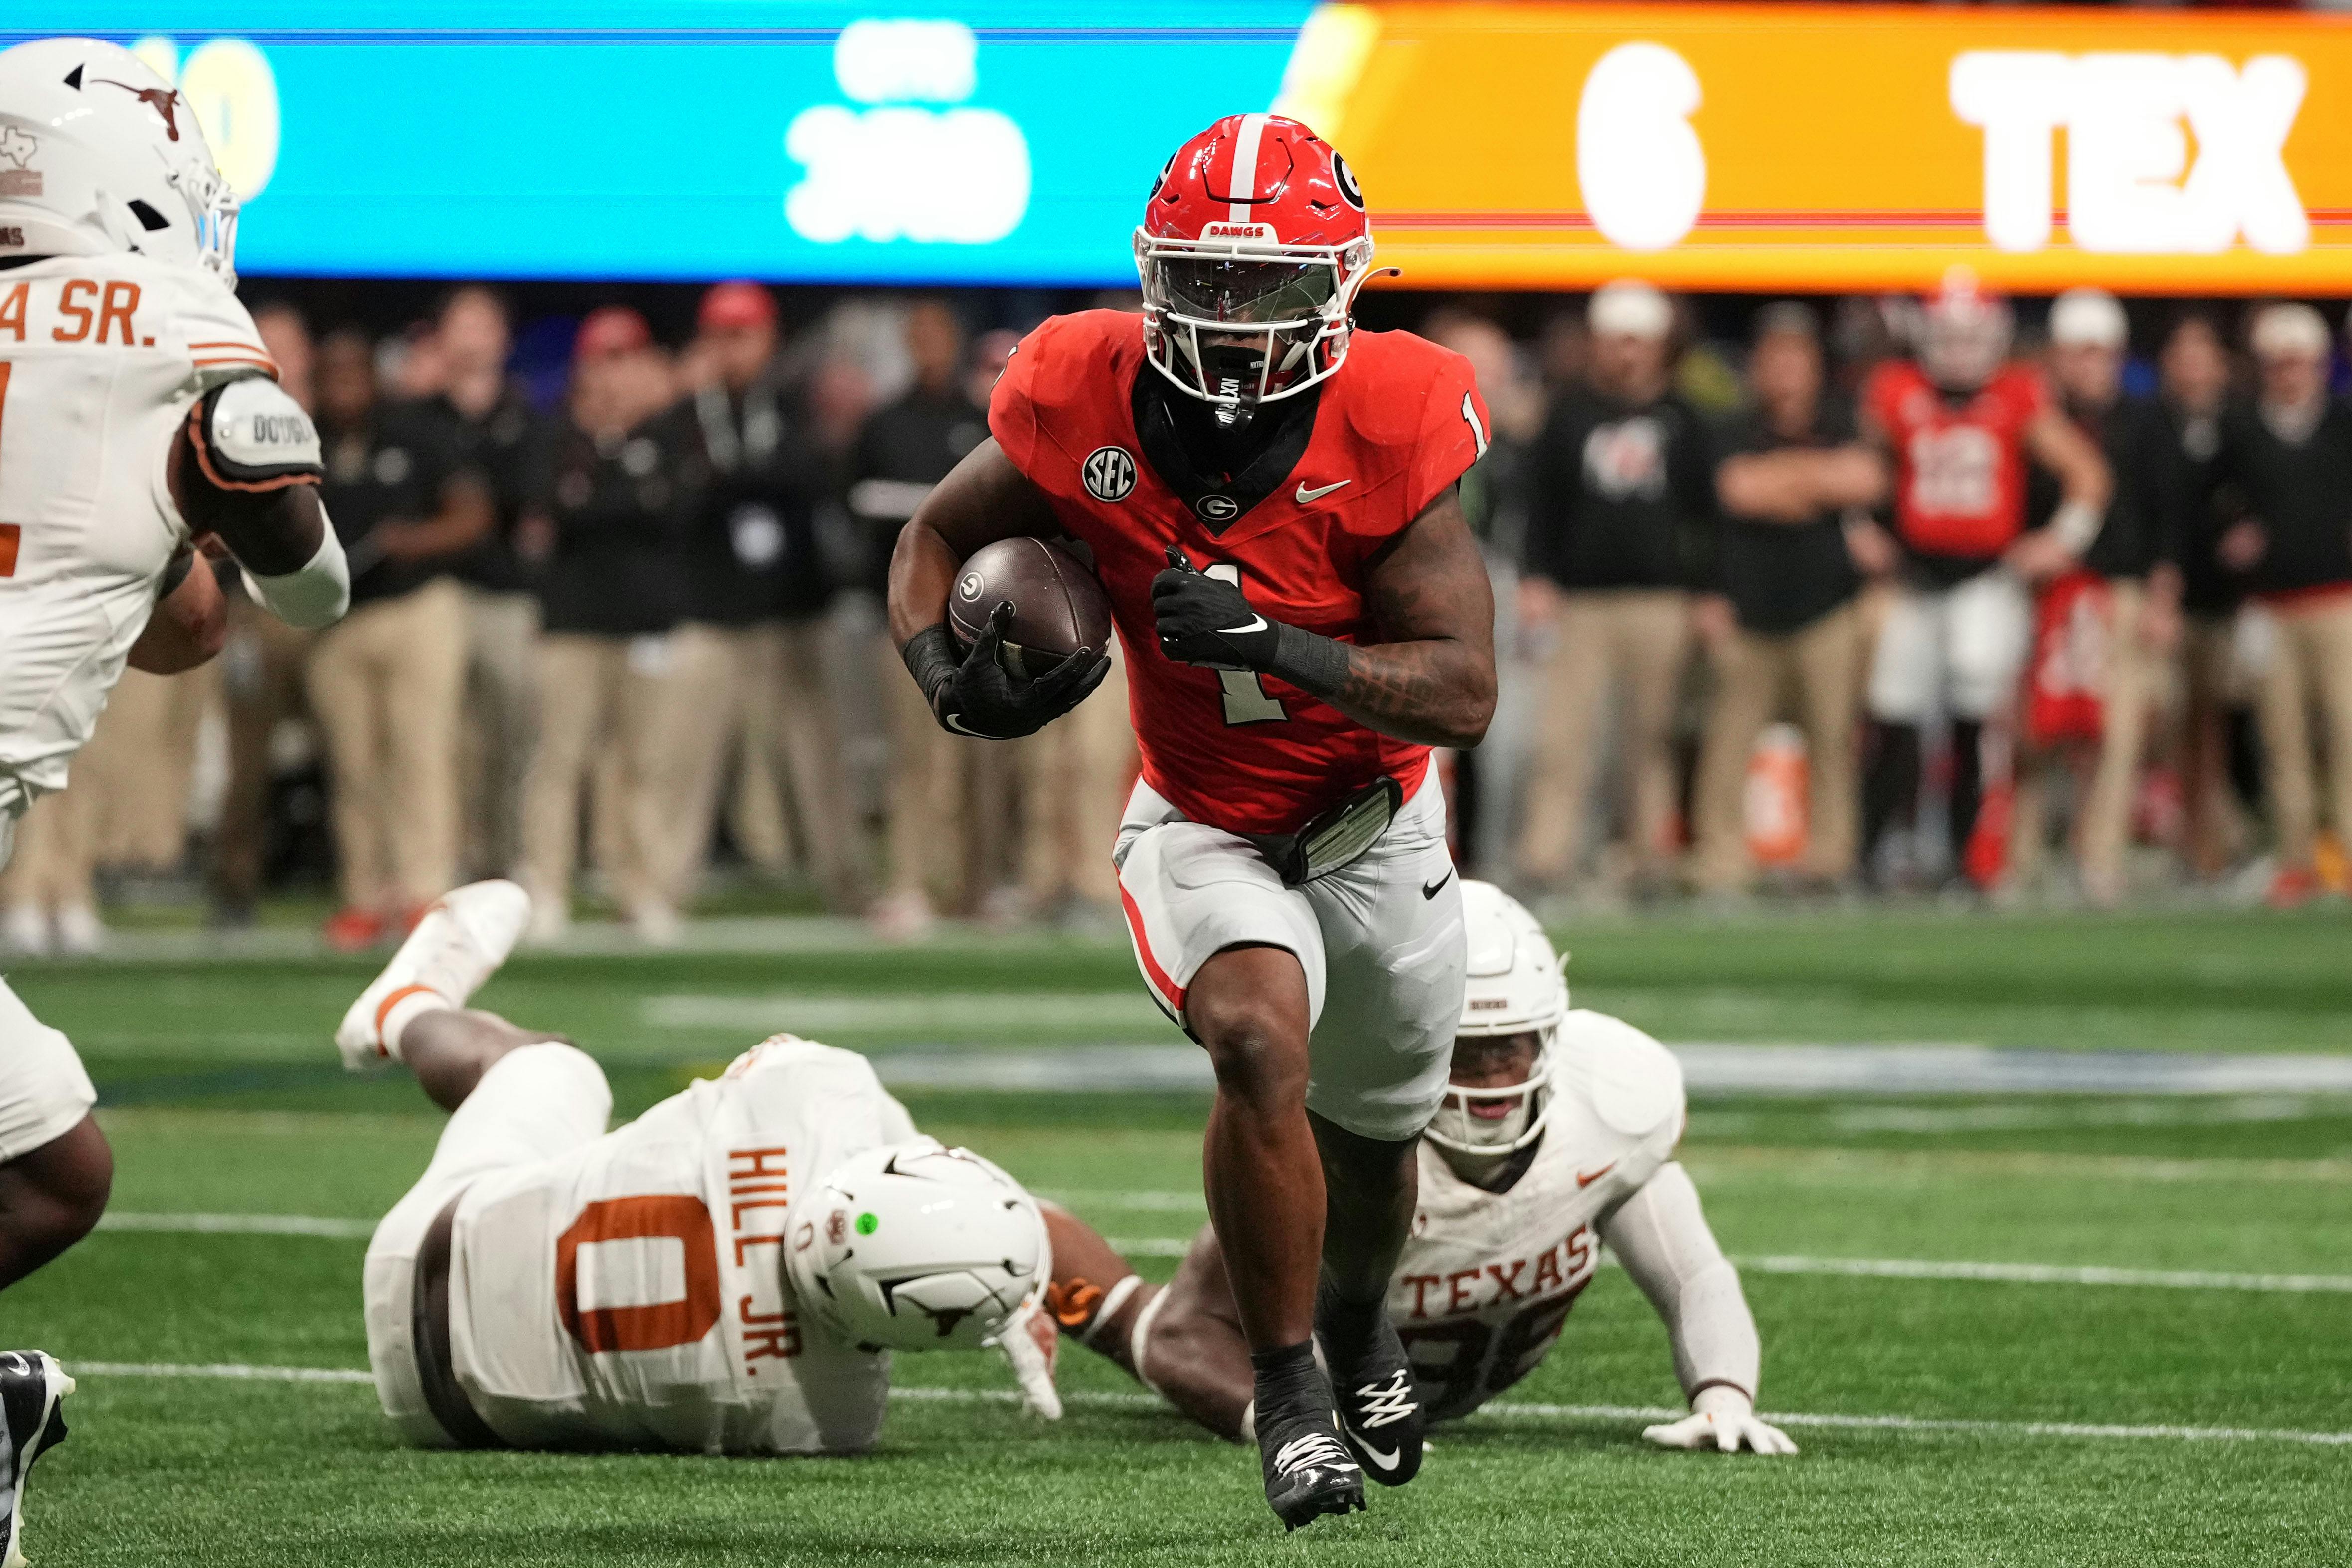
(1058, 607)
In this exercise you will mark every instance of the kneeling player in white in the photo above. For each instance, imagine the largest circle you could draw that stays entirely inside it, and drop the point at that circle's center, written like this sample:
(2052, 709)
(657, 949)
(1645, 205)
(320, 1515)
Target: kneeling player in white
(1555, 1138)
(726, 1274)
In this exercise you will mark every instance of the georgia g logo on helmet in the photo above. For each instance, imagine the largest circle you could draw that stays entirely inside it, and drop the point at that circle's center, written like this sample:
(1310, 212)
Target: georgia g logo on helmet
(1252, 246)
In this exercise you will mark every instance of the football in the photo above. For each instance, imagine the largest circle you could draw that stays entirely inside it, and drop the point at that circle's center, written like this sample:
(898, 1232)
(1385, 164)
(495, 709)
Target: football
(1058, 607)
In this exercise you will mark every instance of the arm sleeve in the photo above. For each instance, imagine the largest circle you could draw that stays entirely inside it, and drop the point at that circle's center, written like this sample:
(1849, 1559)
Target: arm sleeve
(1662, 1238)
(1454, 430)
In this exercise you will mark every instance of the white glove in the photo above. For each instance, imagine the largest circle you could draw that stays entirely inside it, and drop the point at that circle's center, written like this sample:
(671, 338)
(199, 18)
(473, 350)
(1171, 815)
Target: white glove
(1721, 1417)
(1030, 1342)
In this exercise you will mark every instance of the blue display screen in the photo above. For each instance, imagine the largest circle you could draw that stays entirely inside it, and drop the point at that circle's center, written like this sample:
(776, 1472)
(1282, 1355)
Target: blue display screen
(1008, 144)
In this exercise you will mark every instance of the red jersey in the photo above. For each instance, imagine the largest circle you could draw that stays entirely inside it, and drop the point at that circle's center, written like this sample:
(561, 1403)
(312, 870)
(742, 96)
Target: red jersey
(1959, 469)
(1399, 422)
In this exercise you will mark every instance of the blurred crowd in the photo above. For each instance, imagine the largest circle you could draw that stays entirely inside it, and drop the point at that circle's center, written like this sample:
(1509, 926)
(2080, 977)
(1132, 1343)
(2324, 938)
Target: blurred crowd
(618, 626)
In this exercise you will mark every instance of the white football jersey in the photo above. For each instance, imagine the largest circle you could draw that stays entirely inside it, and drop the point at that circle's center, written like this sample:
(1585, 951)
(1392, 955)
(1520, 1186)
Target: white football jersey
(1487, 1278)
(632, 1293)
(100, 358)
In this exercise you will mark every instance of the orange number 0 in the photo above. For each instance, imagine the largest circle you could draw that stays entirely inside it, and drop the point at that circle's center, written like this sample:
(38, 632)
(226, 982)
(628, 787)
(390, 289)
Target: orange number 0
(663, 1324)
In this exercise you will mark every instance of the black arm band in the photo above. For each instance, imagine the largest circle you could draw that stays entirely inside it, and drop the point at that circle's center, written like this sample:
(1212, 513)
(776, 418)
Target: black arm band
(930, 656)
(1311, 663)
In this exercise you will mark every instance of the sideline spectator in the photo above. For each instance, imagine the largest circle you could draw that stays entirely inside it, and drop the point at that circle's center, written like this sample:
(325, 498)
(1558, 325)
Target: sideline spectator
(387, 681)
(904, 449)
(1958, 424)
(2193, 390)
(262, 677)
(1794, 547)
(1623, 485)
(750, 653)
(499, 433)
(2286, 462)
(606, 519)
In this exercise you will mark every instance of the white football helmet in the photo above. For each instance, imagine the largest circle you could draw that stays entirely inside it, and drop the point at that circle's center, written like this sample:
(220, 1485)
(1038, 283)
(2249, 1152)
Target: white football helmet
(1964, 332)
(917, 1247)
(1517, 986)
(99, 156)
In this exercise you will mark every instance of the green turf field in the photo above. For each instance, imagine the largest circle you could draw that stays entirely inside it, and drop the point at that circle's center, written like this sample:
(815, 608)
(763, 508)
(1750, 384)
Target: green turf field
(2173, 1386)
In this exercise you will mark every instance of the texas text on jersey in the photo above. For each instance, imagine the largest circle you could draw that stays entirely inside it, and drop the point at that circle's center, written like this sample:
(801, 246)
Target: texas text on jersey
(1485, 1283)
(1959, 459)
(1398, 422)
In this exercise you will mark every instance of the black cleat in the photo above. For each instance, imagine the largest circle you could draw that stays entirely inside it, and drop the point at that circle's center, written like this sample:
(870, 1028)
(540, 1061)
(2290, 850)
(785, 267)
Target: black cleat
(1308, 1474)
(33, 1387)
(1379, 1408)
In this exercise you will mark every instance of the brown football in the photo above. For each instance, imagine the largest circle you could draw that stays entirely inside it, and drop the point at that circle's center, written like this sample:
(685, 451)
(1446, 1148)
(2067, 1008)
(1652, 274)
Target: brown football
(1058, 607)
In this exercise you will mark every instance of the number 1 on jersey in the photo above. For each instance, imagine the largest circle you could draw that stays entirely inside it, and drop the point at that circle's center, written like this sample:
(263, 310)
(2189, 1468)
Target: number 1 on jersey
(1246, 699)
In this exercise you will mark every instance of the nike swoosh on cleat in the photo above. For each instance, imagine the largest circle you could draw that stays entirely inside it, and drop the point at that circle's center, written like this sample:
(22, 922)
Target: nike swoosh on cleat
(1384, 1462)
(1303, 495)
(1257, 623)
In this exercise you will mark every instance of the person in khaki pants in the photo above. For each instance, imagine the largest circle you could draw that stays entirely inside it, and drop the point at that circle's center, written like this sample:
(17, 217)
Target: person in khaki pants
(1791, 558)
(2286, 468)
(751, 649)
(387, 682)
(1076, 774)
(619, 475)
(1624, 486)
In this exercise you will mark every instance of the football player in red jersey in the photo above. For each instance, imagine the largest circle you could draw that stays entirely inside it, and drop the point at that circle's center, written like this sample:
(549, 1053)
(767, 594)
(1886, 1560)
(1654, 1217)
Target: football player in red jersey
(1960, 423)
(1269, 499)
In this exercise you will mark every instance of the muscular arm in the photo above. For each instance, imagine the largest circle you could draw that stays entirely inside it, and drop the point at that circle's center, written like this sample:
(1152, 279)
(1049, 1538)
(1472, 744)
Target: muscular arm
(1193, 1353)
(1662, 1237)
(1431, 676)
(188, 626)
(982, 499)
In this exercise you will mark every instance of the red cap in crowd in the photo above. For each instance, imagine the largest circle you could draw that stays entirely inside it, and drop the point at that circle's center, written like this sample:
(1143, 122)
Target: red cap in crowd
(610, 330)
(736, 305)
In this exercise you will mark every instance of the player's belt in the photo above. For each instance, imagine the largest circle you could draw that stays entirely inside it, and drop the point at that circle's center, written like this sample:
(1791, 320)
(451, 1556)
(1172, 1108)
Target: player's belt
(437, 1369)
(1336, 836)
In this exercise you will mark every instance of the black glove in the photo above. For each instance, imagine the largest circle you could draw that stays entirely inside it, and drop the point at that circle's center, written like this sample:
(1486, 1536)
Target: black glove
(978, 696)
(1206, 621)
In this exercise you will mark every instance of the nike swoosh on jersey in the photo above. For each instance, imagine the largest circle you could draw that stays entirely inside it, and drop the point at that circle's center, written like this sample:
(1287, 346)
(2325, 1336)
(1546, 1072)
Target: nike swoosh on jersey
(1305, 495)
(1384, 1462)
(1257, 623)
(1583, 1180)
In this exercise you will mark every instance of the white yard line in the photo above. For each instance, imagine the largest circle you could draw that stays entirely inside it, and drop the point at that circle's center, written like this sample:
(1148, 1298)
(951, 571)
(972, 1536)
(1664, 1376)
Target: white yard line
(1512, 1410)
(243, 1225)
(334, 1229)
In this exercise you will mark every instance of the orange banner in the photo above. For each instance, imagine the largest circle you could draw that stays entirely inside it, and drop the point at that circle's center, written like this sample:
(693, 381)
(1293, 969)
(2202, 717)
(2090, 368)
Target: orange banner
(1770, 146)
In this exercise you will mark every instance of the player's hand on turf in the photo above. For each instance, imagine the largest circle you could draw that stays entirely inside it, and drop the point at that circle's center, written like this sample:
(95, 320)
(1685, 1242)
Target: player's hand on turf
(1029, 1342)
(1721, 1419)
(984, 698)
(1205, 621)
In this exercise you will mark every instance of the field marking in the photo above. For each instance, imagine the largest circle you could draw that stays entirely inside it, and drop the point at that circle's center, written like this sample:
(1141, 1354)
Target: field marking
(1508, 1409)
(242, 1224)
(332, 1229)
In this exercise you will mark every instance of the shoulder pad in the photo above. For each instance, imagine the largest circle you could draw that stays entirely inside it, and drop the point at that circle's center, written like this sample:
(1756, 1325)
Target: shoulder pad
(1635, 1084)
(250, 436)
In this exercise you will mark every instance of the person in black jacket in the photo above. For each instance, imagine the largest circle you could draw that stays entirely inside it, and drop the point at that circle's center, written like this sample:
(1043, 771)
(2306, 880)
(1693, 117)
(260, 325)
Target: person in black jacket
(1624, 494)
(2285, 467)
(1785, 615)
(751, 651)
(611, 490)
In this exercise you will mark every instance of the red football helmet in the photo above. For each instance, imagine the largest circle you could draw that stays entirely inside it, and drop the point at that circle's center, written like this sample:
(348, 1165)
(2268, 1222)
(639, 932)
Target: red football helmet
(1963, 333)
(1251, 249)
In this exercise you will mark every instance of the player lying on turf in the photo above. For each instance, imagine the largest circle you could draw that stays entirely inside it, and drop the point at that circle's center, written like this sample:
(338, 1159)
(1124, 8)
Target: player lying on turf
(725, 1274)
(1557, 1138)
